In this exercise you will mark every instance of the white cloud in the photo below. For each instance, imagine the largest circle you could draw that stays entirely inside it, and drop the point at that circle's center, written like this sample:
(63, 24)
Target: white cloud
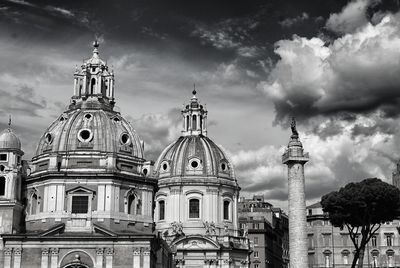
(356, 73)
(288, 22)
(351, 17)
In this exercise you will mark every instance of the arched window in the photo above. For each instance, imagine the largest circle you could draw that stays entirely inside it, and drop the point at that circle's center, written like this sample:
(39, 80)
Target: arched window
(226, 209)
(201, 122)
(2, 186)
(34, 204)
(139, 207)
(131, 204)
(187, 123)
(161, 210)
(194, 208)
(194, 123)
(92, 84)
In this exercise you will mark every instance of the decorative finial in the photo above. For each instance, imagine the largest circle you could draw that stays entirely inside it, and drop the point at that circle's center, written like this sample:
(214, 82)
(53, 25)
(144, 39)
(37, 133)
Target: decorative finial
(194, 89)
(96, 43)
(293, 127)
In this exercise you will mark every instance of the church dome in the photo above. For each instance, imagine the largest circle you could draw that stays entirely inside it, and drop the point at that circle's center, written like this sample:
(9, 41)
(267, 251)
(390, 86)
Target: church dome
(8, 140)
(194, 155)
(91, 125)
(91, 129)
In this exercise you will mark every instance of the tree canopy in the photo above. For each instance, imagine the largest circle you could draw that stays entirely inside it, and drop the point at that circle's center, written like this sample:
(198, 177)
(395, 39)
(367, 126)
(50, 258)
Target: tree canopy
(362, 207)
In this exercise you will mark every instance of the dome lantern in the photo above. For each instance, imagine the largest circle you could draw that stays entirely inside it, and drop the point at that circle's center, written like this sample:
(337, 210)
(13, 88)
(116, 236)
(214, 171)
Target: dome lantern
(93, 81)
(194, 117)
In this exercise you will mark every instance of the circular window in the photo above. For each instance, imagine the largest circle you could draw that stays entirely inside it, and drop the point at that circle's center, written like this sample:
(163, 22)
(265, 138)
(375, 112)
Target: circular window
(164, 166)
(62, 119)
(2, 168)
(145, 171)
(116, 119)
(49, 138)
(223, 166)
(85, 135)
(125, 139)
(194, 164)
(88, 116)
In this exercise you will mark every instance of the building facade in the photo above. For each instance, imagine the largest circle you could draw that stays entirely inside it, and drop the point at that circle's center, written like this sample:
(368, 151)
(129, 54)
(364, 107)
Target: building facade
(88, 196)
(268, 230)
(197, 198)
(329, 246)
(85, 199)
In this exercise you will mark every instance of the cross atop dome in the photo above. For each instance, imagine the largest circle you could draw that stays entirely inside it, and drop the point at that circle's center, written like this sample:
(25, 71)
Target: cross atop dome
(194, 117)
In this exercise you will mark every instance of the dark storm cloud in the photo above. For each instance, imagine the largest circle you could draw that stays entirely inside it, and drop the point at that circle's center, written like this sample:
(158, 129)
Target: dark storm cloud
(23, 102)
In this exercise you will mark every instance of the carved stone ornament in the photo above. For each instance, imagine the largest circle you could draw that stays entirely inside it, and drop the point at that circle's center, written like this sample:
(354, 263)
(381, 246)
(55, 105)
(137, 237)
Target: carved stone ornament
(99, 251)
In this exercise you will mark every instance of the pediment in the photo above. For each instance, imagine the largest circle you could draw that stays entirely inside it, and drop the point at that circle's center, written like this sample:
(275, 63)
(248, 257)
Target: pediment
(81, 189)
(195, 242)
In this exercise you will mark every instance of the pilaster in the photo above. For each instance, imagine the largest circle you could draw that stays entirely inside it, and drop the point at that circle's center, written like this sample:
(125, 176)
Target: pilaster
(45, 258)
(109, 257)
(146, 257)
(7, 257)
(136, 258)
(54, 257)
(17, 257)
(99, 257)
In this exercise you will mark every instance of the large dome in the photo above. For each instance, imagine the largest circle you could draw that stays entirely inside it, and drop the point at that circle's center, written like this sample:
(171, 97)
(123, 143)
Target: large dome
(9, 141)
(90, 129)
(194, 155)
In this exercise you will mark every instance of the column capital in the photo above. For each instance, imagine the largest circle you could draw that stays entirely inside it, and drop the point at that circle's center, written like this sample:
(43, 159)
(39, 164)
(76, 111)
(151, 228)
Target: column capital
(17, 251)
(136, 251)
(109, 251)
(99, 251)
(146, 250)
(8, 251)
(54, 251)
(45, 251)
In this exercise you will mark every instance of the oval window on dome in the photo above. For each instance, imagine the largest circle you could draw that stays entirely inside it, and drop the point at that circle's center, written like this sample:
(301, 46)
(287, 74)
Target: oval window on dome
(85, 135)
(224, 167)
(49, 138)
(125, 138)
(164, 166)
(88, 116)
(145, 171)
(194, 164)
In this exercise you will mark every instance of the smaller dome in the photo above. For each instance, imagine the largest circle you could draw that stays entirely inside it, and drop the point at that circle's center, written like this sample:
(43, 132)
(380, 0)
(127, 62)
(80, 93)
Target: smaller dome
(8, 140)
(194, 155)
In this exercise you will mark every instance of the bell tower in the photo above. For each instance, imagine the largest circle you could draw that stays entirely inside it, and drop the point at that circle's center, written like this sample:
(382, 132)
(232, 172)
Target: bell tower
(11, 175)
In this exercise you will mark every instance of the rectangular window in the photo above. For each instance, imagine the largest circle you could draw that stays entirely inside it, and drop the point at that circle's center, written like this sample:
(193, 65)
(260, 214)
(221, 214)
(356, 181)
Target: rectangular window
(2, 186)
(374, 241)
(194, 208)
(256, 265)
(161, 205)
(389, 241)
(310, 212)
(327, 240)
(255, 240)
(3, 157)
(345, 238)
(80, 204)
(255, 225)
(226, 209)
(255, 254)
(310, 241)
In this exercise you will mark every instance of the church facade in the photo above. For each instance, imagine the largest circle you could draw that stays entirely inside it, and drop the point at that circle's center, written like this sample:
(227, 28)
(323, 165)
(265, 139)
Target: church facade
(88, 198)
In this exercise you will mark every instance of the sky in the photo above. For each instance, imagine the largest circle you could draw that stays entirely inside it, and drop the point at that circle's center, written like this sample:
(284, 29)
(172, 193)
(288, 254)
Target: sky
(332, 64)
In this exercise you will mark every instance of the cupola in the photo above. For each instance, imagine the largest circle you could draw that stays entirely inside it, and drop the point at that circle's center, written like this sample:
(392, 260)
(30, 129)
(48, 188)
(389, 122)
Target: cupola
(195, 118)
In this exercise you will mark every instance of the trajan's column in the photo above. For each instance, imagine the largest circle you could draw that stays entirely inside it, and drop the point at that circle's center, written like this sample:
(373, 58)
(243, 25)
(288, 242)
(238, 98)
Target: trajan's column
(295, 158)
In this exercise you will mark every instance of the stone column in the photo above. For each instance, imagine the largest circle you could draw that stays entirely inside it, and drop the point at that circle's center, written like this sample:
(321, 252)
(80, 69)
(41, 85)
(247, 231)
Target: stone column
(109, 257)
(146, 257)
(99, 257)
(54, 258)
(45, 258)
(295, 158)
(17, 257)
(136, 258)
(7, 257)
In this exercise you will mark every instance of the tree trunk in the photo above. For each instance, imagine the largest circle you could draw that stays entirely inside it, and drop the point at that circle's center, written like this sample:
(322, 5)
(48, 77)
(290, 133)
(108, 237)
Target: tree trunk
(356, 255)
(361, 258)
